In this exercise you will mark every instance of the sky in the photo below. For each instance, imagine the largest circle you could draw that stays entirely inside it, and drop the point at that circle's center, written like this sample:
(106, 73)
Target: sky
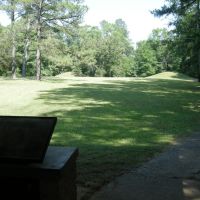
(136, 14)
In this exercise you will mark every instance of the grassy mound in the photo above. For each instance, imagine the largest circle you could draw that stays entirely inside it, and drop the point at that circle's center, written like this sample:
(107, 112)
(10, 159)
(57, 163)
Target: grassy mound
(172, 75)
(65, 75)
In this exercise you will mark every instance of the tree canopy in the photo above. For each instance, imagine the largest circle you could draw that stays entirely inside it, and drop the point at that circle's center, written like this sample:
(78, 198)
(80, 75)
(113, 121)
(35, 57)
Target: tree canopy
(186, 22)
(47, 37)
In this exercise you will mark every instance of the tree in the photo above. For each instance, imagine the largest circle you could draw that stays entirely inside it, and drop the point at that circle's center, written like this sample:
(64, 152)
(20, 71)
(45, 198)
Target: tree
(85, 45)
(5, 56)
(56, 54)
(55, 15)
(103, 51)
(186, 14)
(160, 40)
(11, 8)
(28, 20)
(115, 49)
(145, 59)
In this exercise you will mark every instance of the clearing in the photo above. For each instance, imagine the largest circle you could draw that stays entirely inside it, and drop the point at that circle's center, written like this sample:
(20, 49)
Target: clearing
(117, 123)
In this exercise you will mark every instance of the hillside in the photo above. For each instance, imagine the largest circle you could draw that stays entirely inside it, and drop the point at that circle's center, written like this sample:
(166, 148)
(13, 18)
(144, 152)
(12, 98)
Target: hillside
(172, 75)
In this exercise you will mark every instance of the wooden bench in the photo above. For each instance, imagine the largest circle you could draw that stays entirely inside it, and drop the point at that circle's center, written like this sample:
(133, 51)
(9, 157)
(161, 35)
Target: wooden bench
(53, 179)
(30, 169)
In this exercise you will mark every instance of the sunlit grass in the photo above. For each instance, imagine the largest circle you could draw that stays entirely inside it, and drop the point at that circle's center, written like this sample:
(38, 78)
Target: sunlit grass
(116, 123)
(173, 76)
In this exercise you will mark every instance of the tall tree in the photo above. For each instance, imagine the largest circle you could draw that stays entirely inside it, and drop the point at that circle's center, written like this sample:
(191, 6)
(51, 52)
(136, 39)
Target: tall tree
(198, 34)
(10, 7)
(181, 9)
(115, 48)
(159, 40)
(55, 15)
(84, 47)
(145, 59)
(12, 17)
(5, 56)
(28, 20)
(26, 47)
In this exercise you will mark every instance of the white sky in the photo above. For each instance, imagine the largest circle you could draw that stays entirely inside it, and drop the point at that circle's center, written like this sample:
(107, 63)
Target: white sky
(3, 19)
(136, 14)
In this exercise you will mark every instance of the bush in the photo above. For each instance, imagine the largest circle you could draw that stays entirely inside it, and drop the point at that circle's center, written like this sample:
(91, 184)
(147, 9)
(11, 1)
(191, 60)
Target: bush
(100, 72)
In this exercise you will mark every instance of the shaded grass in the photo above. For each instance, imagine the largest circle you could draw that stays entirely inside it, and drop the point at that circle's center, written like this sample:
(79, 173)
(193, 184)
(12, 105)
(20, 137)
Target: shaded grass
(115, 124)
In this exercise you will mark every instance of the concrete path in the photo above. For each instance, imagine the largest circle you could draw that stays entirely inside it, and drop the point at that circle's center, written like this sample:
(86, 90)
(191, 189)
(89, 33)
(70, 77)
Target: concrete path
(174, 175)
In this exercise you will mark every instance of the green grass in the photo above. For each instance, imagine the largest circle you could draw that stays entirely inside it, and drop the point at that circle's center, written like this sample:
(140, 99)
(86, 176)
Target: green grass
(117, 124)
(172, 75)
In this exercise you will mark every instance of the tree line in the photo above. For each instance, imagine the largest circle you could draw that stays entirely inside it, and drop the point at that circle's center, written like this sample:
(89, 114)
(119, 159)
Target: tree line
(185, 18)
(35, 19)
(46, 38)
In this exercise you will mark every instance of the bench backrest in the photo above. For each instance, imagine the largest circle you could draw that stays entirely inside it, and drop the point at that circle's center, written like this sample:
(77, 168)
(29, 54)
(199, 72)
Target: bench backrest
(25, 139)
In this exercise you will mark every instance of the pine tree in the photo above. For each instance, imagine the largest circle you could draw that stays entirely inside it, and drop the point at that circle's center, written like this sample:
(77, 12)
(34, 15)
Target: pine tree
(55, 15)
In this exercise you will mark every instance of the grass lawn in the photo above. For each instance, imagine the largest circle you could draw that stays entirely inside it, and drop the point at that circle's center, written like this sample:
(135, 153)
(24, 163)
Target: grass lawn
(116, 123)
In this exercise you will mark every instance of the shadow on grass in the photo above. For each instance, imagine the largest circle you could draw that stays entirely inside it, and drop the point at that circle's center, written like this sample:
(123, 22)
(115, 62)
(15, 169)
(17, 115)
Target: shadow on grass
(118, 125)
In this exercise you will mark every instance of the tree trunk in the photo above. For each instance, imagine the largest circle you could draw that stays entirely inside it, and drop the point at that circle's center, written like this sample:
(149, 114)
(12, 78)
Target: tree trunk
(25, 59)
(38, 59)
(38, 51)
(198, 39)
(26, 47)
(13, 65)
(199, 65)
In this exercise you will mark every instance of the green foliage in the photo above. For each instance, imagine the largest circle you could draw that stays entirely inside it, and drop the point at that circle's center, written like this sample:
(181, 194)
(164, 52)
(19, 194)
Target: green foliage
(116, 48)
(56, 58)
(159, 40)
(38, 20)
(145, 58)
(5, 56)
(186, 21)
(104, 51)
(53, 29)
(84, 47)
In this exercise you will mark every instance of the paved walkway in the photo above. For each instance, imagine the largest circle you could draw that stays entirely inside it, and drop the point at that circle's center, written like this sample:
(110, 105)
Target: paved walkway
(174, 175)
